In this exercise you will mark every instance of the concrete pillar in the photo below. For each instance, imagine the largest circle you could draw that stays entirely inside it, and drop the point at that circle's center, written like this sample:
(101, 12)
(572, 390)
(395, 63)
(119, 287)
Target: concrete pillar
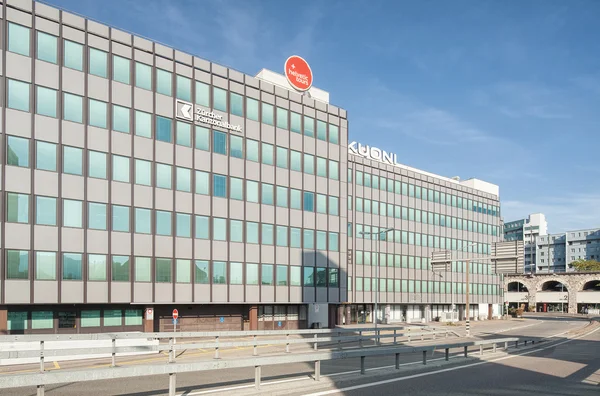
(148, 321)
(339, 319)
(490, 311)
(253, 315)
(348, 314)
(3, 320)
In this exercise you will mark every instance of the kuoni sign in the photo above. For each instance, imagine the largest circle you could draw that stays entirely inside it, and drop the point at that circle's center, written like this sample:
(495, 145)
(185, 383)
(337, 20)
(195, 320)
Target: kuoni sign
(373, 153)
(298, 73)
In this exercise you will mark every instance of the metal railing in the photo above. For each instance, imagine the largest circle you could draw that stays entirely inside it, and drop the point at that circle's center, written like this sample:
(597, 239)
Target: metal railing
(172, 368)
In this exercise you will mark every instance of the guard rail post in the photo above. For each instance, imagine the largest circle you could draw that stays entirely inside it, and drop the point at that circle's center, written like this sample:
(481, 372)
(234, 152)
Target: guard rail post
(114, 353)
(397, 361)
(172, 384)
(257, 377)
(447, 354)
(494, 347)
(465, 351)
(41, 356)
(315, 343)
(506, 345)
(287, 344)
(424, 357)
(254, 350)
(395, 341)
(362, 364)
(171, 350)
(317, 370)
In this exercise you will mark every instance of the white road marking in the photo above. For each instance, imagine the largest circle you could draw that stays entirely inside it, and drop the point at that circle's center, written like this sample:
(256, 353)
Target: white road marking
(372, 384)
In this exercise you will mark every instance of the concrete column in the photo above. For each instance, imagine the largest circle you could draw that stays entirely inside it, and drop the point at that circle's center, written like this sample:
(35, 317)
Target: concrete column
(348, 314)
(148, 321)
(253, 317)
(3, 320)
(490, 311)
(340, 314)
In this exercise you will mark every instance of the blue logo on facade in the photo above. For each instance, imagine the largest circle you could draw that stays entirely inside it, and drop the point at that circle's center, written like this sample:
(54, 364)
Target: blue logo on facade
(278, 324)
(222, 319)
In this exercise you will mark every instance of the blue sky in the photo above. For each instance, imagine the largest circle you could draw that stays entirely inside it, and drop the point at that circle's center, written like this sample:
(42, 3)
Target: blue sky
(508, 92)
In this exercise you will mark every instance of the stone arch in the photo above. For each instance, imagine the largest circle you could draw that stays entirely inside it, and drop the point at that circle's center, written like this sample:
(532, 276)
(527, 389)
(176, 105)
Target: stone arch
(545, 281)
(590, 285)
(516, 286)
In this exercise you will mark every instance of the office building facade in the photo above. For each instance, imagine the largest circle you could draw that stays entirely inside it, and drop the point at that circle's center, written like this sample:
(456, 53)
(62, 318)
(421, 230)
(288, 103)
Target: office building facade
(527, 230)
(557, 252)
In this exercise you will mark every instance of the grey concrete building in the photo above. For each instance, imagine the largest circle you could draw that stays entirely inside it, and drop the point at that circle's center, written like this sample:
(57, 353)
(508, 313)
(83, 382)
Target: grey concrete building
(556, 252)
(527, 230)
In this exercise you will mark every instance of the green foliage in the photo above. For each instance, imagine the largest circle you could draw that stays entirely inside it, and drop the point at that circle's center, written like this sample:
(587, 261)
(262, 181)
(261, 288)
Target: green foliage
(582, 265)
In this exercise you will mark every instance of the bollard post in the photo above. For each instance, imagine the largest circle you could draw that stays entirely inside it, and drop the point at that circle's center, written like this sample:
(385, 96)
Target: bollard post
(257, 377)
(424, 357)
(362, 364)
(506, 345)
(408, 335)
(40, 390)
(114, 353)
(287, 344)
(171, 350)
(447, 354)
(465, 351)
(315, 344)
(172, 383)
(255, 350)
(377, 340)
(494, 346)
(217, 347)
(480, 350)
(41, 356)
(395, 341)
(397, 361)
(317, 370)
(360, 344)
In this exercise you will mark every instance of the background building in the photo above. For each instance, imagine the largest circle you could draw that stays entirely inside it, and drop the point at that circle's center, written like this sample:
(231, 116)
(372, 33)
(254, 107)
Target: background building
(527, 230)
(556, 252)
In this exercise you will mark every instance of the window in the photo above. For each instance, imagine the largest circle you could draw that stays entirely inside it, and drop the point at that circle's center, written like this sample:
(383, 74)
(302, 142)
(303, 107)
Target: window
(163, 129)
(296, 161)
(251, 232)
(133, 317)
(142, 269)
(120, 168)
(45, 211)
(45, 156)
(309, 164)
(163, 270)
(219, 229)
(282, 118)
(295, 199)
(267, 153)
(321, 167)
(98, 63)
(219, 99)
(96, 216)
(295, 276)
(267, 114)
(252, 150)
(333, 206)
(309, 201)
(266, 275)
(163, 223)
(334, 172)
(120, 218)
(17, 151)
(201, 272)
(252, 274)
(73, 55)
(282, 236)
(236, 271)
(142, 221)
(266, 234)
(73, 160)
(18, 95)
(309, 239)
(267, 194)
(97, 113)
(334, 135)
(120, 119)
(202, 94)
(236, 144)
(120, 268)
(73, 108)
(309, 276)
(163, 176)
(18, 39)
(236, 231)
(183, 271)
(184, 88)
(220, 186)
(46, 47)
(17, 208)
(252, 109)
(96, 267)
(97, 164)
(143, 76)
(17, 264)
(219, 272)
(282, 197)
(71, 266)
(309, 126)
(184, 182)
(321, 130)
(163, 82)
(72, 213)
(143, 124)
(184, 134)
(202, 227)
(321, 203)
(334, 241)
(220, 142)
(143, 172)
(236, 103)
(45, 101)
(321, 240)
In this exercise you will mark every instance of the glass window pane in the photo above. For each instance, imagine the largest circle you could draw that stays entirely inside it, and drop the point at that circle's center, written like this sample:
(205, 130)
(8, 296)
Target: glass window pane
(97, 165)
(143, 76)
(236, 271)
(17, 208)
(219, 272)
(309, 201)
(143, 124)
(45, 266)
(183, 270)
(220, 186)
(321, 130)
(142, 221)
(282, 236)
(309, 126)
(267, 114)
(133, 317)
(120, 119)
(120, 218)
(121, 69)
(236, 231)
(143, 269)
(219, 229)
(282, 157)
(45, 210)
(120, 168)
(236, 104)
(251, 232)
(295, 199)
(184, 88)
(45, 103)
(98, 62)
(163, 129)
(202, 183)
(163, 176)
(295, 276)
(184, 134)
(184, 182)
(163, 223)
(113, 317)
(18, 95)
(236, 189)
(120, 268)
(295, 122)
(96, 267)
(252, 150)
(266, 274)
(96, 216)
(71, 265)
(236, 146)
(252, 109)
(267, 194)
(334, 241)
(202, 94)
(45, 156)
(72, 160)
(97, 113)
(334, 172)
(163, 82)
(18, 39)
(202, 227)
(143, 172)
(163, 270)
(282, 118)
(309, 164)
(73, 56)
(201, 272)
(219, 99)
(309, 276)
(184, 225)
(309, 239)
(282, 197)
(72, 213)
(219, 142)
(251, 274)
(73, 108)
(267, 153)
(334, 134)
(17, 264)
(321, 167)
(202, 138)
(267, 234)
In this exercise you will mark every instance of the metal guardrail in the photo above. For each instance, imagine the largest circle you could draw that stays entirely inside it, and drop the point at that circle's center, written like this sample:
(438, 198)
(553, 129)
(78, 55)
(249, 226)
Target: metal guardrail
(172, 368)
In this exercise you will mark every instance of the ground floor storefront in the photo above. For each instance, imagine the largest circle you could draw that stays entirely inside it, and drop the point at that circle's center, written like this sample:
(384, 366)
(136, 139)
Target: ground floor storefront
(411, 313)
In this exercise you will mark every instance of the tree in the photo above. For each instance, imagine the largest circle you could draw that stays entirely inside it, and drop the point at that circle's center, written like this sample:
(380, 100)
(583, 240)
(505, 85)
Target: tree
(582, 265)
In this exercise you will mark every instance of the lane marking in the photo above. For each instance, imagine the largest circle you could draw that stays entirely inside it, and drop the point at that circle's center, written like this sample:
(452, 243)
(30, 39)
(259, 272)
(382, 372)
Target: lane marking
(56, 365)
(389, 381)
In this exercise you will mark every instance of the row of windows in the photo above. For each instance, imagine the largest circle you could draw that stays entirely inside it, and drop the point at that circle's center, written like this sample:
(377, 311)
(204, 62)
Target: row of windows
(98, 65)
(421, 216)
(416, 286)
(38, 320)
(140, 220)
(18, 154)
(140, 269)
(418, 239)
(427, 194)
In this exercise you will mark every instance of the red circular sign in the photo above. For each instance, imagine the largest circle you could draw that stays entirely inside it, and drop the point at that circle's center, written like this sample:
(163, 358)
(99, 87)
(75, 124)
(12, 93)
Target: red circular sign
(298, 73)
(175, 314)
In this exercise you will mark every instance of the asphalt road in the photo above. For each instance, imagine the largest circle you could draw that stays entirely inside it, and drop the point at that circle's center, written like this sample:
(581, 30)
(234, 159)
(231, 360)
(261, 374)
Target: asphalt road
(228, 381)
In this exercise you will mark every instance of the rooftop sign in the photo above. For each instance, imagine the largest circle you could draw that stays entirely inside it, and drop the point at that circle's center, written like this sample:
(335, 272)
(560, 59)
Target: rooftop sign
(373, 153)
(187, 111)
(298, 73)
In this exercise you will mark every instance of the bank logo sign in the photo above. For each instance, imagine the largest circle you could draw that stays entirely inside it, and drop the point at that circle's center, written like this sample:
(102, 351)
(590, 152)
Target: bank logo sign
(298, 73)
(187, 111)
(373, 153)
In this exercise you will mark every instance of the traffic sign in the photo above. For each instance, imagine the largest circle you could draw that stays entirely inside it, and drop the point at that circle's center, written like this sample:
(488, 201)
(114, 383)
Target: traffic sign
(175, 313)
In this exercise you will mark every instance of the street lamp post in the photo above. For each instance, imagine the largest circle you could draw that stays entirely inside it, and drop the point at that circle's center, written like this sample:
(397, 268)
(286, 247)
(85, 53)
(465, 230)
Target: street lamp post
(383, 232)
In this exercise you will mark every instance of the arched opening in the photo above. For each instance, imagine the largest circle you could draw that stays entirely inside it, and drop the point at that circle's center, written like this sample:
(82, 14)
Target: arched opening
(553, 286)
(593, 285)
(517, 287)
